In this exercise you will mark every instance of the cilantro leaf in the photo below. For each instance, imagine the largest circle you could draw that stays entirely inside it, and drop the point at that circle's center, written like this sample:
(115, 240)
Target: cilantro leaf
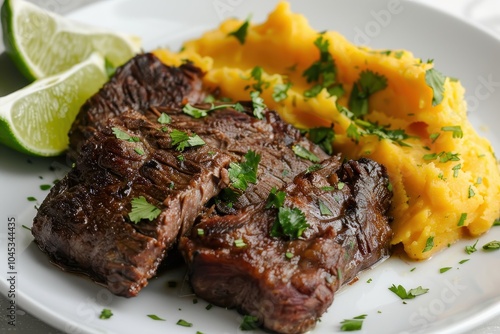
(164, 119)
(275, 199)
(280, 91)
(249, 323)
(471, 249)
(401, 292)
(462, 219)
(456, 130)
(142, 209)
(120, 134)
(368, 84)
(323, 137)
(194, 112)
(429, 244)
(184, 323)
(492, 245)
(258, 105)
(241, 174)
(354, 324)
(435, 80)
(155, 317)
(324, 210)
(182, 140)
(241, 33)
(305, 153)
(290, 222)
(260, 84)
(105, 314)
(323, 71)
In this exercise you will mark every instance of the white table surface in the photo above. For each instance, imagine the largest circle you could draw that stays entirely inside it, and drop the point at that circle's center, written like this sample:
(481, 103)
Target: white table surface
(485, 13)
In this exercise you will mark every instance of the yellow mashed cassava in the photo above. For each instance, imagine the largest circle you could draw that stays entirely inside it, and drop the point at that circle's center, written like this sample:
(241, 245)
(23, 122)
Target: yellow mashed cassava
(445, 177)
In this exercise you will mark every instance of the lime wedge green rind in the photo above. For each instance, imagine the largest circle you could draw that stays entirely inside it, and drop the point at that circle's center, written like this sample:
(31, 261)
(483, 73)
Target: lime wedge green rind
(42, 43)
(37, 118)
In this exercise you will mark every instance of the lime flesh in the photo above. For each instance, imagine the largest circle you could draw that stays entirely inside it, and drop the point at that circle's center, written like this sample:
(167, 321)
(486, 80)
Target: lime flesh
(37, 118)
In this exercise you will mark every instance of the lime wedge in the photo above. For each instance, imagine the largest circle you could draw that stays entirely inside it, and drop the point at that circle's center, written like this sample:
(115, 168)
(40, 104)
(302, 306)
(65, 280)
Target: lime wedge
(42, 43)
(36, 119)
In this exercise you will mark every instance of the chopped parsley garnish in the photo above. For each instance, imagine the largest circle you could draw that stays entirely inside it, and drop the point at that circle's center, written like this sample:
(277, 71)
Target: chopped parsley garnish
(368, 84)
(139, 151)
(322, 72)
(382, 132)
(123, 135)
(280, 91)
(26, 227)
(461, 220)
(31, 199)
(443, 156)
(203, 112)
(455, 169)
(354, 324)
(241, 174)
(239, 243)
(323, 137)
(275, 199)
(142, 209)
(401, 292)
(360, 127)
(290, 222)
(456, 130)
(249, 323)
(155, 317)
(313, 168)
(327, 188)
(435, 80)
(259, 84)
(304, 153)
(164, 119)
(184, 323)
(241, 33)
(208, 307)
(258, 105)
(434, 136)
(429, 244)
(194, 112)
(45, 187)
(471, 192)
(471, 249)
(492, 245)
(444, 269)
(181, 140)
(105, 314)
(324, 210)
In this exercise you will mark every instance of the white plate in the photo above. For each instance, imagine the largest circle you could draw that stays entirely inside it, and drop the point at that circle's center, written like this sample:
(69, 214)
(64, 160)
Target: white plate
(458, 300)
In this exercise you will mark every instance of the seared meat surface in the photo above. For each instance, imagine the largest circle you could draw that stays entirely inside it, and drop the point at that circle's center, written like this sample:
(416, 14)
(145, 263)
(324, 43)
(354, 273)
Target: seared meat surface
(287, 282)
(84, 223)
(142, 83)
(237, 132)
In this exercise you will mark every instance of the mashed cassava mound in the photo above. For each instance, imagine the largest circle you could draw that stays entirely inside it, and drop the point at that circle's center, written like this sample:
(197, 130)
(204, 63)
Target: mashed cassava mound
(385, 105)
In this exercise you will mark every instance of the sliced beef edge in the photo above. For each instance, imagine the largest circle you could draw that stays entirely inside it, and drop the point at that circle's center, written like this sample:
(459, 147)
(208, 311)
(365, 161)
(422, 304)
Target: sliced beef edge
(288, 283)
(84, 222)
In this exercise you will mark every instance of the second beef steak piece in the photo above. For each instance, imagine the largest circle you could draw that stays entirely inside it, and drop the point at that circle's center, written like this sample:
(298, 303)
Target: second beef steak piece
(254, 262)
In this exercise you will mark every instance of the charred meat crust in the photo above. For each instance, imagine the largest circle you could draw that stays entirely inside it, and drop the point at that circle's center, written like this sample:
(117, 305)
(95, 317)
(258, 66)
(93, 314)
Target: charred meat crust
(142, 83)
(84, 224)
(288, 295)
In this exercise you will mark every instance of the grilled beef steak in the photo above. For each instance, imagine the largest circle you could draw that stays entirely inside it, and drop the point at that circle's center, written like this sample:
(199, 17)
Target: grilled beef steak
(289, 282)
(142, 83)
(237, 132)
(85, 224)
